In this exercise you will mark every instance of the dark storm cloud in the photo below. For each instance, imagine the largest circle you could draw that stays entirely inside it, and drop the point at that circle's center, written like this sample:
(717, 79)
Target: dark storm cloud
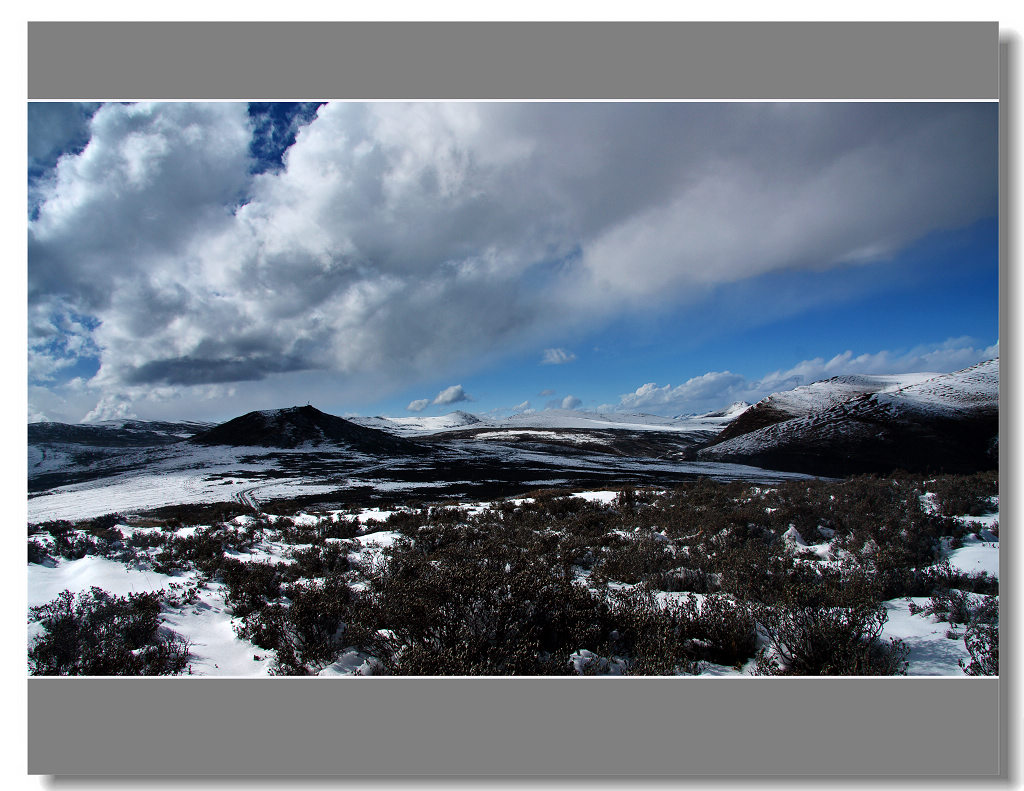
(396, 241)
(195, 371)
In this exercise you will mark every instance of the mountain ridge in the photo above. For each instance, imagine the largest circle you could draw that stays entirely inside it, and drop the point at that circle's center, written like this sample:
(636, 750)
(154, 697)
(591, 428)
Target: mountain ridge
(927, 422)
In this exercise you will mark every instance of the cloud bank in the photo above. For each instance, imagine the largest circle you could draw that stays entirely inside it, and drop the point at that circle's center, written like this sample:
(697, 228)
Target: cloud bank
(396, 242)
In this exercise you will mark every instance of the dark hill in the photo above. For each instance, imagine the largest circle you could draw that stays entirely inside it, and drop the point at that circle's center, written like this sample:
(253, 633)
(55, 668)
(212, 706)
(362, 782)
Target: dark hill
(117, 434)
(301, 426)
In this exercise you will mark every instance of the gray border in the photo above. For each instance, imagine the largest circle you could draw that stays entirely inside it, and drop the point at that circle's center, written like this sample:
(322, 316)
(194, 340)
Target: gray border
(513, 60)
(514, 726)
(400, 727)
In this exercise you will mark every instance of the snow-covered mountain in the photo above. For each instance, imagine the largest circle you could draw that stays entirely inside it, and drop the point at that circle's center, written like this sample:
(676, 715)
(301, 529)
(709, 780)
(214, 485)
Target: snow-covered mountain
(731, 412)
(837, 427)
(851, 424)
(420, 425)
(551, 420)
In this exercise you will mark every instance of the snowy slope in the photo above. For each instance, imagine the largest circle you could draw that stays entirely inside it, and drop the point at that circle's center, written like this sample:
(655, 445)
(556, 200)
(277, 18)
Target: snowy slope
(974, 389)
(552, 420)
(865, 424)
(54, 448)
(421, 425)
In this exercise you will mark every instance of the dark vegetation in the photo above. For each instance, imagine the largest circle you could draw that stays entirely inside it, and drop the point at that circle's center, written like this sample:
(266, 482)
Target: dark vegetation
(96, 634)
(655, 582)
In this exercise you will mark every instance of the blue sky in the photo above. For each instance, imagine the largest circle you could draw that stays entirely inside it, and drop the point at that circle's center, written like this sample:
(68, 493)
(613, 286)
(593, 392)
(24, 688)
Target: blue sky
(199, 260)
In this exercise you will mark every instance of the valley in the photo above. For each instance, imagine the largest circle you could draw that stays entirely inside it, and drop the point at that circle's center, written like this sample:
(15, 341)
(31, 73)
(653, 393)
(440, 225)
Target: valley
(291, 541)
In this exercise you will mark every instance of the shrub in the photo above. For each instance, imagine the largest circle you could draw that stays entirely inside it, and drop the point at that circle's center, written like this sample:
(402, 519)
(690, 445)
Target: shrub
(97, 634)
(720, 630)
(338, 528)
(651, 636)
(491, 610)
(58, 527)
(680, 579)
(73, 546)
(894, 583)
(105, 526)
(830, 640)
(249, 585)
(38, 553)
(982, 642)
(309, 633)
(957, 606)
(959, 495)
(318, 561)
(264, 627)
(305, 632)
(981, 639)
(636, 559)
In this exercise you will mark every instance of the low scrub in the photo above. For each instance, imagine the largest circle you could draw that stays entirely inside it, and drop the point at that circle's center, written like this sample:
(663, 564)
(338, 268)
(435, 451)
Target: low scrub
(829, 641)
(559, 584)
(305, 629)
(97, 634)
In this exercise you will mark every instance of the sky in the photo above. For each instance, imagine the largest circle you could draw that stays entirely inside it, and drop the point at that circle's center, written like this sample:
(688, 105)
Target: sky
(200, 260)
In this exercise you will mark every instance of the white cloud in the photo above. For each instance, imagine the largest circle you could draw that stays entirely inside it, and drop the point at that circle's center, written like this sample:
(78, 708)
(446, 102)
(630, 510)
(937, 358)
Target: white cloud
(451, 395)
(546, 392)
(557, 357)
(418, 405)
(523, 407)
(404, 240)
(714, 387)
(110, 408)
(571, 402)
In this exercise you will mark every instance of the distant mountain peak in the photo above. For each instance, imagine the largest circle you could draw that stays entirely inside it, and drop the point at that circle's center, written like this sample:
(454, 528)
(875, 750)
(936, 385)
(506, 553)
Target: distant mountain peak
(466, 418)
(733, 410)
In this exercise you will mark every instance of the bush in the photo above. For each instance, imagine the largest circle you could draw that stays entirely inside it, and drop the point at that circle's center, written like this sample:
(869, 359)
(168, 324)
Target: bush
(830, 641)
(635, 559)
(982, 642)
(74, 546)
(318, 561)
(264, 627)
(894, 583)
(96, 634)
(249, 585)
(488, 611)
(309, 634)
(38, 553)
(652, 637)
(681, 579)
(965, 495)
(956, 607)
(720, 630)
